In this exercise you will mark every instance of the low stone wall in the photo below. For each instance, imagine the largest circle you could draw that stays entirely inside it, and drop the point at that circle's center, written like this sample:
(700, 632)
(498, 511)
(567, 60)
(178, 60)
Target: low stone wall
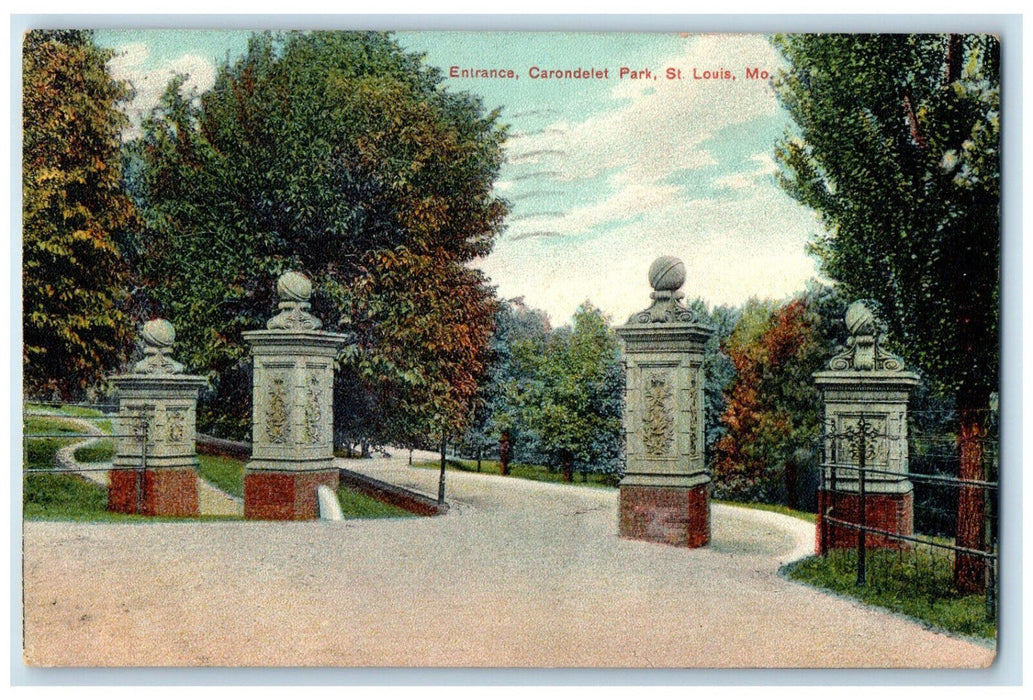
(381, 490)
(389, 493)
(208, 445)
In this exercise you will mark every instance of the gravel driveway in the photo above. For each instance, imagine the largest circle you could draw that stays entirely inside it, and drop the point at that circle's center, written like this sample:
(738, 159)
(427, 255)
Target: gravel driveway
(517, 574)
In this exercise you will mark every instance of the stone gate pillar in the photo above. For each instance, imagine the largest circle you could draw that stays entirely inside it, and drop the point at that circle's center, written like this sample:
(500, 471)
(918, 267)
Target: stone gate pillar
(292, 449)
(665, 494)
(864, 380)
(155, 462)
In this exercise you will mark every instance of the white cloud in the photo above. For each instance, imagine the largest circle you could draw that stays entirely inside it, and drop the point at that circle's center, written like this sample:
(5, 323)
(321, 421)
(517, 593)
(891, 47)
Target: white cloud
(133, 64)
(661, 124)
(766, 167)
(732, 249)
(751, 244)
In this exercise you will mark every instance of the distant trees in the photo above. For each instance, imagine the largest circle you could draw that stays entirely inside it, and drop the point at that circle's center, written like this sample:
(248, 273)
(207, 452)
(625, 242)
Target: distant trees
(74, 212)
(555, 396)
(573, 402)
(340, 155)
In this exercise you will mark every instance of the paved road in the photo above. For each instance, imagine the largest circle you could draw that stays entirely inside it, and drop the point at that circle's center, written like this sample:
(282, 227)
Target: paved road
(517, 574)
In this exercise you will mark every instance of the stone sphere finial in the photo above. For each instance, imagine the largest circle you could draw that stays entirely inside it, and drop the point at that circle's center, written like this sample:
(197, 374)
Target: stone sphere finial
(293, 286)
(294, 290)
(863, 350)
(158, 333)
(158, 336)
(860, 320)
(667, 274)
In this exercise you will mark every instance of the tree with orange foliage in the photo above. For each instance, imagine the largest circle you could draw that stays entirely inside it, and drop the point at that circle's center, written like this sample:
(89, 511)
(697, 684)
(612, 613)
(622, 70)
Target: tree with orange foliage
(773, 409)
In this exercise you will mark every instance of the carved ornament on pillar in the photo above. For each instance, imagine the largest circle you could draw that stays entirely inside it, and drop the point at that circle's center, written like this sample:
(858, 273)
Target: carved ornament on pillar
(277, 419)
(294, 291)
(864, 351)
(313, 413)
(666, 275)
(158, 336)
(658, 431)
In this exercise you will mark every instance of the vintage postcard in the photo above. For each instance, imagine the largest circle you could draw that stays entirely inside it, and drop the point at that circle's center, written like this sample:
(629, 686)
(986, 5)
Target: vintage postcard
(510, 349)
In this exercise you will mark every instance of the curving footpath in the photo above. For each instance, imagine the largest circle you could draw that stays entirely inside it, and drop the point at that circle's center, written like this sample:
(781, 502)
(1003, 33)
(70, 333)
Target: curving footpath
(211, 500)
(518, 574)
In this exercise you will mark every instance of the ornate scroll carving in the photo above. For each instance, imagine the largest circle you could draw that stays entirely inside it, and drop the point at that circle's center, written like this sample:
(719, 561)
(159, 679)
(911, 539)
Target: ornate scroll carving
(658, 421)
(277, 416)
(693, 410)
(313, 413)
(666, 308)
(176, 426)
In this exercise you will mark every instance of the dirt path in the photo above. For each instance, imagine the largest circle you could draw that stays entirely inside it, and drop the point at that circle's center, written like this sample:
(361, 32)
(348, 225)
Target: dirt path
(517, 574)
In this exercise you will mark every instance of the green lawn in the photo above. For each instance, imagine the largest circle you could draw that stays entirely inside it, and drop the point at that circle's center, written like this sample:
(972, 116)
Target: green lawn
(227, 473)
(523, 471)
(58, 496)
(103, 451)
(358, 505)
(916, 582)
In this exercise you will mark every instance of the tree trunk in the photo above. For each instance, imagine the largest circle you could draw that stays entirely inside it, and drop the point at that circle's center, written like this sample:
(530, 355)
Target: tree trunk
(970, 570)
(478, 458)
(504, 446)
(568, 468)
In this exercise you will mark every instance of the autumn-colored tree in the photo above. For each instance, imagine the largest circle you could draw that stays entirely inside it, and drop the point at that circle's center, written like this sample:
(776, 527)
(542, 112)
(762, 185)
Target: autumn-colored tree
(74, 208)
(773, 409)
(340, 155)
(897, 145)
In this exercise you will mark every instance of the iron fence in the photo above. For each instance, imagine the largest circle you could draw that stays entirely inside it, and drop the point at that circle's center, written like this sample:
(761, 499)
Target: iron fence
(75, 425)
(932, 471)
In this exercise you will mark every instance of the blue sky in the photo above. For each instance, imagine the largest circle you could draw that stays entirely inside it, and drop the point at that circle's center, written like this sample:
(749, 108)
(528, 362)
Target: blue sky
(604, 174)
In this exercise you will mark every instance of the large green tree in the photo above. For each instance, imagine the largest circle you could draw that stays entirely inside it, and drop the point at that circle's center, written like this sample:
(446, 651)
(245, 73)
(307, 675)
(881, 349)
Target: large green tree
(74, 208)
(341, 155)
(897, 147)
(520, 333)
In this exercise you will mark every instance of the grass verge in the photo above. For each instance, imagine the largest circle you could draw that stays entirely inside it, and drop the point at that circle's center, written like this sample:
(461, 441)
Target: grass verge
(523, 471)
(226, 473)
(103, 451)
(916, 582)
(358, 505)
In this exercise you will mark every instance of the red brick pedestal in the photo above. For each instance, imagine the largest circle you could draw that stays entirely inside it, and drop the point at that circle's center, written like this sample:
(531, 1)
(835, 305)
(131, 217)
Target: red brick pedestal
(169, 492)
(669, 514)
(272, 495)
(889, 512)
